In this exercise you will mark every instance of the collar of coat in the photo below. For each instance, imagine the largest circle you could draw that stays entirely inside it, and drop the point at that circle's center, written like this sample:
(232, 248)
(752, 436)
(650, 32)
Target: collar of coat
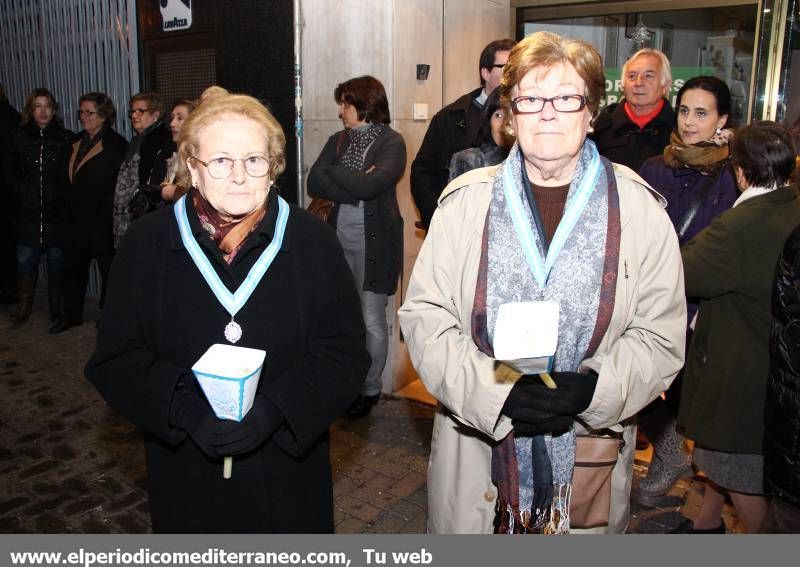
(487, 175)
(263, 232)
(462, 103)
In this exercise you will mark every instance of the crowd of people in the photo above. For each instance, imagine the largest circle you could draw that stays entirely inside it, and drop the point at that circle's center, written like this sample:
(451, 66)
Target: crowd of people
(665, 239)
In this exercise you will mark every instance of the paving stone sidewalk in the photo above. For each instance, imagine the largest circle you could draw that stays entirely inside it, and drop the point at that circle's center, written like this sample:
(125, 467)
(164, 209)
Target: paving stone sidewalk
(69, 464)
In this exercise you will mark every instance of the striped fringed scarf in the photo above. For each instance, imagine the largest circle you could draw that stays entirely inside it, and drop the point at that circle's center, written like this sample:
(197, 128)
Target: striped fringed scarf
(534, 474)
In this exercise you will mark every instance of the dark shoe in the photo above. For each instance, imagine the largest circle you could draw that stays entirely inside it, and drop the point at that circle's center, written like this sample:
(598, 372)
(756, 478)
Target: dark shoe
(687, 527)
(62, 326)
(361, 406)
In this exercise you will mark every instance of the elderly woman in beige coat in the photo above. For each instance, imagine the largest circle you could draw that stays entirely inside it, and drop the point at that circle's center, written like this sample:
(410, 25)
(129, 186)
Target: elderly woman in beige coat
(554, 222)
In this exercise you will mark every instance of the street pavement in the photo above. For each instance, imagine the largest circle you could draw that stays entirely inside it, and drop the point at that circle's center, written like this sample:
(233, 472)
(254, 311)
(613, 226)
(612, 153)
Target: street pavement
(69, 464)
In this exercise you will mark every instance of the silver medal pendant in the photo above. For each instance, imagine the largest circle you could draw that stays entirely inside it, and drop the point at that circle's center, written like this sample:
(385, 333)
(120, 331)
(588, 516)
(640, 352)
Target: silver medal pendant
(233, 332)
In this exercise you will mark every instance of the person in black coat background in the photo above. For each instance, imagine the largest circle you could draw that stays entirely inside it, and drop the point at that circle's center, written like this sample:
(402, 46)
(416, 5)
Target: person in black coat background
(782, 411)
(162, 315)
(9, 120)
(453, 129)
(358, 169)
(92, 170)
(34, 169)
(141, 171)
(639, 126)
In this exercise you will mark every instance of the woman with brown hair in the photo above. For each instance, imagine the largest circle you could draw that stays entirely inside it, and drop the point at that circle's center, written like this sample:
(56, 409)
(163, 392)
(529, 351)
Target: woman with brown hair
(358, 170)
(554, 223)
(89, 204)
(34, 168)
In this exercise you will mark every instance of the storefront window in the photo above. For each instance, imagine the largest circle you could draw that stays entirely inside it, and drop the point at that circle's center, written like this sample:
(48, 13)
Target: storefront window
(698, 41)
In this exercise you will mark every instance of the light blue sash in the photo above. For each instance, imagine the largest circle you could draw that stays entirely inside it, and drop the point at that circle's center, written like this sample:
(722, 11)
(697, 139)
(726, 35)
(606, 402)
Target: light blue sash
(232, 302)
(541, 269)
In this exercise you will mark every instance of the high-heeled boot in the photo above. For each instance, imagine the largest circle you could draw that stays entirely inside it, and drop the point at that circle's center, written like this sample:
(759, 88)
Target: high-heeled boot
(26, 285)
(55, 295)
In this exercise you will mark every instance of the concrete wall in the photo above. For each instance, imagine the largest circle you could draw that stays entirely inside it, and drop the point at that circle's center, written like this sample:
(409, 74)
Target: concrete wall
(387, 39)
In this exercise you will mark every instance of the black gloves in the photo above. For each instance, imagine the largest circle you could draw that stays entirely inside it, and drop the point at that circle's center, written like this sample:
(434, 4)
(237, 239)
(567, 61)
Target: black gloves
(534, 408)
(235, 438)
(216, 437)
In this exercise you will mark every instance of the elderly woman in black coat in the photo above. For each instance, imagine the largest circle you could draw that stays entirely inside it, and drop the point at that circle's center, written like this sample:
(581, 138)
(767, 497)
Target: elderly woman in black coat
(232, 262)
(92, 172)
(35, 167)
(358, 170)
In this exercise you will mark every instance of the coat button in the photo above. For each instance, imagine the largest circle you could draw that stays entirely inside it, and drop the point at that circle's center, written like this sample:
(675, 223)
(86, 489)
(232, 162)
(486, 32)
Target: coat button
(372, 236)
(370, 213)
(372, 260)
(372, 283)
(488, 496)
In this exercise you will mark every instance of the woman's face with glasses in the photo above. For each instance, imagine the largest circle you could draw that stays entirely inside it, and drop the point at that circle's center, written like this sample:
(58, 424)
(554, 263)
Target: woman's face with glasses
(90, 119)
(551, 139)
(141, 116)
(245, 142)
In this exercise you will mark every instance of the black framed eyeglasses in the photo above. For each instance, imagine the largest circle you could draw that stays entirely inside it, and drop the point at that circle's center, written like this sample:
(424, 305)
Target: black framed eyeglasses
(138, 111)
(222, 167)
(86, 112)
(535, 104)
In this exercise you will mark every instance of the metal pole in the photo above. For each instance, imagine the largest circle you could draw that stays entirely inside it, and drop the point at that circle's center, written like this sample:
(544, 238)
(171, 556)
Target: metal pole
(298, 100)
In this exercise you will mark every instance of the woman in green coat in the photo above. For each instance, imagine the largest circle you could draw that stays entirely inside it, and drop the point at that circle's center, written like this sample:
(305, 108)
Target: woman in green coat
(730, 265)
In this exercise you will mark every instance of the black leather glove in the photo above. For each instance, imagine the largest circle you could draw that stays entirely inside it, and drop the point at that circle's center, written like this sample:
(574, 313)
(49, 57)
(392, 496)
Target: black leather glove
(260, 423)
(191, 412)
(572, 395)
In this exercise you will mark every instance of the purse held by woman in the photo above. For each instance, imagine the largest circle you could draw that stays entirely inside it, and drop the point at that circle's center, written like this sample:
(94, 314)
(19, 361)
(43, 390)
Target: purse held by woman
(590, 503)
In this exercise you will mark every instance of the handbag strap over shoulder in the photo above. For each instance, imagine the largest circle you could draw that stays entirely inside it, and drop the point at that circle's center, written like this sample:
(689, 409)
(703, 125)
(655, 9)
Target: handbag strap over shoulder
(694, 205)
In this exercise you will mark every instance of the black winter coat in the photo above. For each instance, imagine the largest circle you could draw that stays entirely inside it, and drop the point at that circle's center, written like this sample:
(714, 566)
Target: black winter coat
(35, 169)
(622, 141)
(383, 225)
(90, 197)
(451, 130)
(782, 412)
(160, 317)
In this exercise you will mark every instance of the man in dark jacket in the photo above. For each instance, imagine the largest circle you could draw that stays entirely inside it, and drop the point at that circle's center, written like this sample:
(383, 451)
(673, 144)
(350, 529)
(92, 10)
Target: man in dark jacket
(9, 120)
(782, 412)
(639, 126)
(453, 129)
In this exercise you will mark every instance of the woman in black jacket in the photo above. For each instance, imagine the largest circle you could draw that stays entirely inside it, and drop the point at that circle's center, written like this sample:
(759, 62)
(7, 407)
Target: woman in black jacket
(359, 169)
(35, 169)
(93, 167)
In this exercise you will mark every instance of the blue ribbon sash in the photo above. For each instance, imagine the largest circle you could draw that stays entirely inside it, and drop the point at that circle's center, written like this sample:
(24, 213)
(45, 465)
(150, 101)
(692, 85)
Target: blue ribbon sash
(575, 206)
(232, 302)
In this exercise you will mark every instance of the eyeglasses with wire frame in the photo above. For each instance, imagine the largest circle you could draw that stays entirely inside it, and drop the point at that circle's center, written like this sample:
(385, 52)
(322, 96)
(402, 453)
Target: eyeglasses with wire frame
(139, 111)
(535, 104)
(85, 112)
(222, 167)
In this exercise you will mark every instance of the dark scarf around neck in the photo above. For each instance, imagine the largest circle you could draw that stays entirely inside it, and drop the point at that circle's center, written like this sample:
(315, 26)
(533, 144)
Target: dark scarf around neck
(707, 157)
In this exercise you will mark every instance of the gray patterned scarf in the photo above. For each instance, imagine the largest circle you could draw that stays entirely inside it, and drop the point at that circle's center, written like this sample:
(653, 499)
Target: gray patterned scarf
(575, 283)
(360, 139)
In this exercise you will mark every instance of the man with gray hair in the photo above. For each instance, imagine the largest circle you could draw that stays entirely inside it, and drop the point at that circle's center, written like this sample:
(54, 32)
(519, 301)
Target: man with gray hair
(638, 127)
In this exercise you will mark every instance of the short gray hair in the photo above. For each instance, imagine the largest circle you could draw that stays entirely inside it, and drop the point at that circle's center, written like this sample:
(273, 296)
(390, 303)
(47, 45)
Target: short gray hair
(666, 69)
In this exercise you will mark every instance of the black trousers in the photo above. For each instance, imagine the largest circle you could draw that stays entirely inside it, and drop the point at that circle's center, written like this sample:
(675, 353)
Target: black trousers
(76, 279)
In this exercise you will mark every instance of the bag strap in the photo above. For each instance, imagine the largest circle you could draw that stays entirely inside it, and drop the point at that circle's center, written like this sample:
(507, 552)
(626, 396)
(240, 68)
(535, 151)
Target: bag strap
(694, 205)
(339, 142)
